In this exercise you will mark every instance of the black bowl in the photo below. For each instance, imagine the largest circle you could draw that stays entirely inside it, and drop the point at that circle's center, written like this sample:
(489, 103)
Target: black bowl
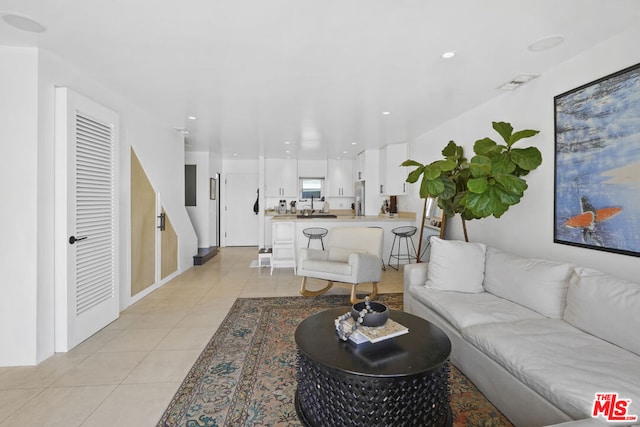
(377, 318)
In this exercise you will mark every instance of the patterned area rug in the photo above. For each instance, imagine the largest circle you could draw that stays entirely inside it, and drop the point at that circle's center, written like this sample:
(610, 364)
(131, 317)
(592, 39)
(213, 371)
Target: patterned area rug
(245, 376)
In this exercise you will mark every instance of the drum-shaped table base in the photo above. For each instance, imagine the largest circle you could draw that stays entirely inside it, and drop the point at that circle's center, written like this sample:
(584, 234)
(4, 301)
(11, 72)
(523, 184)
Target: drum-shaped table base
(326, 398)
(403, 381)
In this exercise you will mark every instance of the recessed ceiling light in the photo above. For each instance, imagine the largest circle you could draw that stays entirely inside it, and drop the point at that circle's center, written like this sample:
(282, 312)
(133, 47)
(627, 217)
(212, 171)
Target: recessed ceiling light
(24, 23)
(353, 143)
(287, 142)
(288, 151)
(546, 43)
(235, 154)
(338, 158)
(448, 55)
(344, 152)
(191, 117)
(386, 113)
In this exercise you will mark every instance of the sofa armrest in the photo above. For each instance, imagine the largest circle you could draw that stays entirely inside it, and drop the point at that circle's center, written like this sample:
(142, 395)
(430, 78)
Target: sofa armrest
(415, 274)
(368, 267)
(314, 254)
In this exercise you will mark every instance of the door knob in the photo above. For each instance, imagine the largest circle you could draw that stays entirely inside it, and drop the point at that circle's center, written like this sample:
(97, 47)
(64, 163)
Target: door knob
(74, 239)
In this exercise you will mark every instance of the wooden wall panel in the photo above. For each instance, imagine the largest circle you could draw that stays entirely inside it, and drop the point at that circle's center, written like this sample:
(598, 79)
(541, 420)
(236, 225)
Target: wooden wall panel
(143, 228)
(169, 255)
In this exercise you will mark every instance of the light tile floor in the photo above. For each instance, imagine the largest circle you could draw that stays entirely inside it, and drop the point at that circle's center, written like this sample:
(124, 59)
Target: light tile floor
(126, 374)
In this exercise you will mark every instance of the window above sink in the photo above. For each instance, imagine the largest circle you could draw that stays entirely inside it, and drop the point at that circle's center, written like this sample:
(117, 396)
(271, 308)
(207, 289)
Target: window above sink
(311, 188)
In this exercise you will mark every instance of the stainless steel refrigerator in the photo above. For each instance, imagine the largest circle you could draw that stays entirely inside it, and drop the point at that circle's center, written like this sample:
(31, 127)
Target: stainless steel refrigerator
(359, 195)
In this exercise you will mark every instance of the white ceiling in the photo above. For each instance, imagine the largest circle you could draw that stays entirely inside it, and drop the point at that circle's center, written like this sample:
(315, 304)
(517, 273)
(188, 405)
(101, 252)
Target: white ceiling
(316, 73)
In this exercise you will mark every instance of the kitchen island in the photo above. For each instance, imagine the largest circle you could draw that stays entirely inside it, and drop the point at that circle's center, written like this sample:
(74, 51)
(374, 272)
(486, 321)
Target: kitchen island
(386, 222)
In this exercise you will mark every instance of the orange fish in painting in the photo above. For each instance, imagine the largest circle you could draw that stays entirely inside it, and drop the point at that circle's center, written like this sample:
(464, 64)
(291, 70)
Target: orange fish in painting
(589, 217)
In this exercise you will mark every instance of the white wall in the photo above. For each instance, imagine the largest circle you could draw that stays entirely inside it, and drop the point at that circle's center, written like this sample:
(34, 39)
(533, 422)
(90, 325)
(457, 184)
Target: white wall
(19, 251)
(527, 228)
(27, 81)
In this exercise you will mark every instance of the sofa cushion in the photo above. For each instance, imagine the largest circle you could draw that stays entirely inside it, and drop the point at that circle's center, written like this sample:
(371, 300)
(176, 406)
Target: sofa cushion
(560, 362)
(456, 266)
(464, 309)
(605, 306)
(534, 283)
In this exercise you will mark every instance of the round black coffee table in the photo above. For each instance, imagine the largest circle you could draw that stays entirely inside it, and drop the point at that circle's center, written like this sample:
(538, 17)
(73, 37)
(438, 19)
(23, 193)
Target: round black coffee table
(402, 381)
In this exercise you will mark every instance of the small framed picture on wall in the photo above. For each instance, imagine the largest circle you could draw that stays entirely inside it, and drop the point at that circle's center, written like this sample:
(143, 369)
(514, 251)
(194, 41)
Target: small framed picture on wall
(212, 188)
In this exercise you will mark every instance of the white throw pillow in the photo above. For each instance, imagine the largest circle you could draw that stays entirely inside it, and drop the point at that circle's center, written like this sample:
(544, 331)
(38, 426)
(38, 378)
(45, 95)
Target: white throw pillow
(456, 266)
(605, 306)
(534, 283)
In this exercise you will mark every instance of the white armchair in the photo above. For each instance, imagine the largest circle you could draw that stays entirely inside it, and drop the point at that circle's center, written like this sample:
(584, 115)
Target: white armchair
(352, 256)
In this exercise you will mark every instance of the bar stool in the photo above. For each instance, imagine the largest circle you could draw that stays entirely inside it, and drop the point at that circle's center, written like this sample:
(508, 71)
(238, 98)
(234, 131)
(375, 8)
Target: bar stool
(315, 233)
(405, 233)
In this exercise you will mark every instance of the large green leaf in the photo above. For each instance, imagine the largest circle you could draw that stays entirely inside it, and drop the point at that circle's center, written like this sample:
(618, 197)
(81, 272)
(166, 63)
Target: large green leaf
(480, 204)
(431, 188)
(512, 184)
(452, 150)
(478, 185)
(484, 146)
(504, 129)
(502, 163)
(432, 171)
(487, 203)
(480, 166)
(506, 196)
(527, 158)
(415, 175)
(447, 207)
(517, 136)
(446, 165)
(518, 171)
(411, 163)
(449, 187)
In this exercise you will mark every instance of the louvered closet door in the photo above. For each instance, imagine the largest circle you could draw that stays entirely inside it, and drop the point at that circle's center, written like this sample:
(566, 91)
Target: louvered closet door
(89, 293)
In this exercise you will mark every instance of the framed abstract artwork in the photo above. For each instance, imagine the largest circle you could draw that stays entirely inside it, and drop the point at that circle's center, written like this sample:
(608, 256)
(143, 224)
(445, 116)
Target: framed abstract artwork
(597, 164)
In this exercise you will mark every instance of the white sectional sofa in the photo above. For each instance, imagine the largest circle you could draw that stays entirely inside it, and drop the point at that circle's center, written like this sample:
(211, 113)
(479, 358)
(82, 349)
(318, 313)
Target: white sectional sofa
(538, 338)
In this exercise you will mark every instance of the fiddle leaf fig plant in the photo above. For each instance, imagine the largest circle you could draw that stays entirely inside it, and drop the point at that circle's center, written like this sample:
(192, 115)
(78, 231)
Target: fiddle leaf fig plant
(486, 185)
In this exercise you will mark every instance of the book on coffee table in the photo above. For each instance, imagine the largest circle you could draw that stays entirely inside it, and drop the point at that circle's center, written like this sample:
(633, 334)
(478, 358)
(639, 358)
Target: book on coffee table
(375, 334)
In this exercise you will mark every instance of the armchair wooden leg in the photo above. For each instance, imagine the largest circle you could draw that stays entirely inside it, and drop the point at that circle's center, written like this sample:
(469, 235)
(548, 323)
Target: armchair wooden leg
(372, 295)
(307, 293)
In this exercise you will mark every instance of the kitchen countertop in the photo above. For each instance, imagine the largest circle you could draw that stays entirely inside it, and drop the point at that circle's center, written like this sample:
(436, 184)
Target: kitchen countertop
(346, 218)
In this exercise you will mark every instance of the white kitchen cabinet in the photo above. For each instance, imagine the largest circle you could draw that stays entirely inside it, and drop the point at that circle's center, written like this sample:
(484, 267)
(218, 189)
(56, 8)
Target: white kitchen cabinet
(392, 175)
(312, 168)
(340, 178)
(268, 236)
(281, 178)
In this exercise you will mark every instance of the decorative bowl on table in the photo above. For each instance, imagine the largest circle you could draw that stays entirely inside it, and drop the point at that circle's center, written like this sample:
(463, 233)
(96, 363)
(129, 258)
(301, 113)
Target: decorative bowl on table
(376, 317)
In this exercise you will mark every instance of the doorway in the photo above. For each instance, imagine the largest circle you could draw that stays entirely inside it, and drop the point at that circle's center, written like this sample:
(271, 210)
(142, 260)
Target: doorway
(86, 218)
(241, 192)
